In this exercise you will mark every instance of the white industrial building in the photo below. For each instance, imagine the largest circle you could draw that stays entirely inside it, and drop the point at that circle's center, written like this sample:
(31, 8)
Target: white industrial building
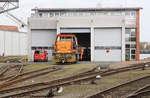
(107, 34)
(12, 42)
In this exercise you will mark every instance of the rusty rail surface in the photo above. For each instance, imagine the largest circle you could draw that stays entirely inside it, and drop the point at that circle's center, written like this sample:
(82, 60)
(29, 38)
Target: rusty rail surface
(87, 76)
(18, 73)
(24, 76)
(6, 68)
(140, 91)
(144, 94)
(4, 71)
(101, 94)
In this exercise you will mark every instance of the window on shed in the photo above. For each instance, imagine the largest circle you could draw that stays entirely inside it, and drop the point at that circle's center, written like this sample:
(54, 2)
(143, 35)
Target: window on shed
(57, 13)
(80, 13)
(92, 13)
(130, 13)
(133, 32)
(75, 14)
(128, 31)
(45, 14)
(40, 14)
(133, 57)
(133, 45)
(127, 45)
(133, 39)
(133, 13)
(127, 13)
(133, 52)
(62, 13)
(106, 12)
(51, 14)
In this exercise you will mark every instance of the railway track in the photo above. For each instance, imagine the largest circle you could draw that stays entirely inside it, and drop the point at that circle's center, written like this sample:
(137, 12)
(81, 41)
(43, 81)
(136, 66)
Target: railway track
(6, 68)
(3, 71)
(123, 89)
(20, 70)
(25, 76)
(85, 76)
(141, 92)
(20, 75)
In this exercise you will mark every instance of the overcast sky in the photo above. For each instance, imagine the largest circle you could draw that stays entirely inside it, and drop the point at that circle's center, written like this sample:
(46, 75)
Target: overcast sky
(24, 10)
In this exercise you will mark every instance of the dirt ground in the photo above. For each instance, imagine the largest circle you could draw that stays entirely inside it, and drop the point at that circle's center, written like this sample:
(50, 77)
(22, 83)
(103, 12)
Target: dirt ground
(82, 91)
(127, 63)
(67, 70)
(79, 91)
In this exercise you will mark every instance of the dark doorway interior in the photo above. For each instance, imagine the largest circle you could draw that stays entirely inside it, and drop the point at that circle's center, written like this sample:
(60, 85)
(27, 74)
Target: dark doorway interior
(84, 41)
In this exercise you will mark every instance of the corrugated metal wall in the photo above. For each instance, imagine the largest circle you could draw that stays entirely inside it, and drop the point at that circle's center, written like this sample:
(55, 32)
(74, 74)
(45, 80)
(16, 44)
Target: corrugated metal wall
(13, 43)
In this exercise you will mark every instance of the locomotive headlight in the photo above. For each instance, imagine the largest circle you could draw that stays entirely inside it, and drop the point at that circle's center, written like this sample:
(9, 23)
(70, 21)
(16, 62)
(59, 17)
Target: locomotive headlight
(58, 51)
(69, 50)
(57, 55)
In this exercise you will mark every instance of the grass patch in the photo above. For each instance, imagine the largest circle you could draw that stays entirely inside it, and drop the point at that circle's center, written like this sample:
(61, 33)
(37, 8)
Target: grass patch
(38, 66)
(72, 69)
(79, 88)
(114, 80)
(127, 76)
(79, 66)
(9, 59)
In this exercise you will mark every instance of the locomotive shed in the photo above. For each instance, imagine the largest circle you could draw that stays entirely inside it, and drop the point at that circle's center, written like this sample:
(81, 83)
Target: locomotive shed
(106, 34)
(77, 52)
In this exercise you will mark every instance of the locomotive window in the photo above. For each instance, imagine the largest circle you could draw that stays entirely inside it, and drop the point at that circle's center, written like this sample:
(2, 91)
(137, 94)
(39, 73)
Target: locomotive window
(41, 52)
(37, 52)
(74, 43)
(64, 39)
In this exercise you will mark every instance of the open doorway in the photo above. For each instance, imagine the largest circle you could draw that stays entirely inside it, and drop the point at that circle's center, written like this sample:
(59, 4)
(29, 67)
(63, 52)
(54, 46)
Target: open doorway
(84, 41)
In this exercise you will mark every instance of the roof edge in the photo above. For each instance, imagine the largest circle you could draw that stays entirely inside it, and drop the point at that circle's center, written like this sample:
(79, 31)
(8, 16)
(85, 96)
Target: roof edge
(86, 9)
(9, 28)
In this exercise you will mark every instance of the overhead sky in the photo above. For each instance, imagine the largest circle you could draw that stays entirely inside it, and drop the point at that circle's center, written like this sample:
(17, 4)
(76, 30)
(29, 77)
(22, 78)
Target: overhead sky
(25, 7)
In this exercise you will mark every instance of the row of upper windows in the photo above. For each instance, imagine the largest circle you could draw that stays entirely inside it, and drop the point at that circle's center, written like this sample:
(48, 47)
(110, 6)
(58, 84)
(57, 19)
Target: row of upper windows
(53, 14)
(130, 35)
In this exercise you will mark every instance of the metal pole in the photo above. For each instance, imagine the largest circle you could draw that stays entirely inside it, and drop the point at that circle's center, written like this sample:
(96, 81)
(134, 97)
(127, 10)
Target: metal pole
(4, 43)
(19, 45)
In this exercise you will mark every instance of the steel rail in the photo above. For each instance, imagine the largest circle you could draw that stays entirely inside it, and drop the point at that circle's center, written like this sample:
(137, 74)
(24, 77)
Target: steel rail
(26, 73)
(61, 81)
(15, 76)
(8, 83)
(4, 71)
(117, 86)
(139, 91)
(140, 94)
(64, 83)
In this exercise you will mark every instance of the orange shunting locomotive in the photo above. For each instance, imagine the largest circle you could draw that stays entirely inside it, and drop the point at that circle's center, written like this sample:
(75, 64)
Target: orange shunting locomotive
(66, 49)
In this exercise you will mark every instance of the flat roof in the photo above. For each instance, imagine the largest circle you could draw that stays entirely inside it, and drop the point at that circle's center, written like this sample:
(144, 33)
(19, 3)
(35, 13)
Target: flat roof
(9, 0)
(86, 9)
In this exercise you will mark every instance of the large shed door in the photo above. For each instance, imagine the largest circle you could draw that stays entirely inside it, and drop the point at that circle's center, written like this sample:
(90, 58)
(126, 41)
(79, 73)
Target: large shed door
(108, 44)
(43, 39)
